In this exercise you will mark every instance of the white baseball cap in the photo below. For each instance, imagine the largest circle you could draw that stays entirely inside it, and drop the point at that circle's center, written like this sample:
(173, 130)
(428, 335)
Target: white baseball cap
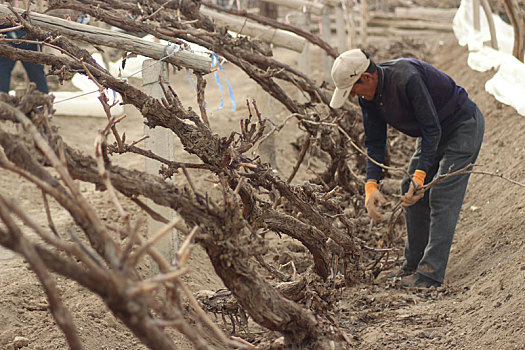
(347, 69)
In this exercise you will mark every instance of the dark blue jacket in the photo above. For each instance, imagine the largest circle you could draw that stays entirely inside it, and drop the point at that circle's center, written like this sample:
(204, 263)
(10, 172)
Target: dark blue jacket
(417, 99)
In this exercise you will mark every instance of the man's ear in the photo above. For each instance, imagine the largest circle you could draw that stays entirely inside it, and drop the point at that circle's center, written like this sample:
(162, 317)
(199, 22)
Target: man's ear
(366, 76)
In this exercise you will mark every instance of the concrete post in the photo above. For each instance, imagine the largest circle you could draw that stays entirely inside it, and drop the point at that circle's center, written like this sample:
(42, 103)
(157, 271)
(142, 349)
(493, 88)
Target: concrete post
(266, 106)
(327, 35)
(340, 27)
(160, 142)
(304, 59)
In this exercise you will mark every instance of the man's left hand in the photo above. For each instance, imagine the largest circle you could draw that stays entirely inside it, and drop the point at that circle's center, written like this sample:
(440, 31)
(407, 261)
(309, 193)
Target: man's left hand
(415, 192)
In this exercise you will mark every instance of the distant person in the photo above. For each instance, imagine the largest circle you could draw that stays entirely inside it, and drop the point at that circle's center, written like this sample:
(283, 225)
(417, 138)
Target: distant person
(35, 72)
(419, 100)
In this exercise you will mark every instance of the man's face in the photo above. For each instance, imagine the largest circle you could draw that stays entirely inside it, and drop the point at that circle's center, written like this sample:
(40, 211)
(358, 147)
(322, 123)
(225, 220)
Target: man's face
(365, 87)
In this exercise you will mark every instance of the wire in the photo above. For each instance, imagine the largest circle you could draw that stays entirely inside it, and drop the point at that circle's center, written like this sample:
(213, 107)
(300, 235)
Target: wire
(176, 48)
(73, 97)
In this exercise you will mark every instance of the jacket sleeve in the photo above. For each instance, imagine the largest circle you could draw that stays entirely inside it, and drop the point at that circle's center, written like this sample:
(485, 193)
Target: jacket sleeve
(427, 118)
(375, 141)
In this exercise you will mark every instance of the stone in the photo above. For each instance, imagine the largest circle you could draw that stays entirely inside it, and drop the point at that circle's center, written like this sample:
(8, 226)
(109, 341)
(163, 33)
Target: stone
(20, 342)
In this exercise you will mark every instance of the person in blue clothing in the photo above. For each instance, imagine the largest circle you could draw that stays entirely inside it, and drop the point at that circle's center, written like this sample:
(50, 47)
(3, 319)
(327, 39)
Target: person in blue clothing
(35, 72)
(421, 101)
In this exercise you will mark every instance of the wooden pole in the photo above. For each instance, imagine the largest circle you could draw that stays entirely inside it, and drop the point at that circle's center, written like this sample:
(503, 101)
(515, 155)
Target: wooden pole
(121, 41)
(160, 142)
(409, 24)
(299, 5)
(267, 34)
(421, 13)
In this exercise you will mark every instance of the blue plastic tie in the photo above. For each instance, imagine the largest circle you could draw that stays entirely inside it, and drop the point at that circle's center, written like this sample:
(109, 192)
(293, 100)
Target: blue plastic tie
(215, 58)
(114, 96)
(215, 61)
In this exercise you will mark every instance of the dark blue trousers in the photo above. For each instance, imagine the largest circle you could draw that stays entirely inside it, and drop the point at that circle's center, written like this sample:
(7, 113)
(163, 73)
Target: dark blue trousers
(35, 72)
(431, 222)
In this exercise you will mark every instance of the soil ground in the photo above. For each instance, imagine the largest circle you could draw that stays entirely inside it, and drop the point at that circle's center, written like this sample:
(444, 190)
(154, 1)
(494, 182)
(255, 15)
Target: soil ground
(481, 306)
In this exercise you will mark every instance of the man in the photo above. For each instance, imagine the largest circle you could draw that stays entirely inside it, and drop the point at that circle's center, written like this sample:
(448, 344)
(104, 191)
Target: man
(35, 72)
(419, 100)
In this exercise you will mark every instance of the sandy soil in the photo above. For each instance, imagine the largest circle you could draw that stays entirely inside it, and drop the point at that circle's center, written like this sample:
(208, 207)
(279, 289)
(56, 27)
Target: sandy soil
(481, 306)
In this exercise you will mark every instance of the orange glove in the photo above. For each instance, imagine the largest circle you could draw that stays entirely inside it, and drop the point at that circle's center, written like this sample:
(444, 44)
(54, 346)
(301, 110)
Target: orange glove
(372, 197)
(414, 193)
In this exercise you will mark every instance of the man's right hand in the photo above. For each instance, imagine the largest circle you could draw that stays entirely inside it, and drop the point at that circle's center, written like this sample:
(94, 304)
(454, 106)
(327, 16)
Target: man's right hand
(372, 198)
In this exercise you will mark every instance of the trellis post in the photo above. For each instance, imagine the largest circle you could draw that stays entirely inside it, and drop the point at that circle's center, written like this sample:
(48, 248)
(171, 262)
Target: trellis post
(340, 28)
(326, 36)
(304, 59)
(160, 142)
